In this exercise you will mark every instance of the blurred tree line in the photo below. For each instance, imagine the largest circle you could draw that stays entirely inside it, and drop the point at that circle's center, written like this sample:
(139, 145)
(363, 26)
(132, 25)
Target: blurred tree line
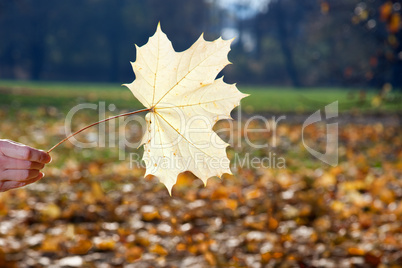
(349, 43)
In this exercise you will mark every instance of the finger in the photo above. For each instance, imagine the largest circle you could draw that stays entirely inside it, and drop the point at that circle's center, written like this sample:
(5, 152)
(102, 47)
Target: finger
(12, 163)
(8, 185)
(23, 152)
(18, 175)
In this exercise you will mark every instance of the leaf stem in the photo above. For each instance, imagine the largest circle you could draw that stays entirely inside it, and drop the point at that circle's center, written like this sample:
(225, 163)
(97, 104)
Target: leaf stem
(97, 123)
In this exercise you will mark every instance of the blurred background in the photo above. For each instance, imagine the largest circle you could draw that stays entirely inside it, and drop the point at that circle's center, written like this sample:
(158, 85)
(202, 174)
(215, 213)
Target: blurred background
(348, 43)
(294, 57)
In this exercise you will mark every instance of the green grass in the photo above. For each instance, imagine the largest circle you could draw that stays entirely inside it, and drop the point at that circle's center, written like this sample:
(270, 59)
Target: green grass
(276, 99)
(65, 95)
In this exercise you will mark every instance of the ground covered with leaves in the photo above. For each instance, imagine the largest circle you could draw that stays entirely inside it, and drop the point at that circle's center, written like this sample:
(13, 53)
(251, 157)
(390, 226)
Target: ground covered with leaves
(94, 210)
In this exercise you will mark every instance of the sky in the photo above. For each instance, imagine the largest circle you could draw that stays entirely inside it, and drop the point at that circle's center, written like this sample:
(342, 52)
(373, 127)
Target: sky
(241, 10)
(244, 9)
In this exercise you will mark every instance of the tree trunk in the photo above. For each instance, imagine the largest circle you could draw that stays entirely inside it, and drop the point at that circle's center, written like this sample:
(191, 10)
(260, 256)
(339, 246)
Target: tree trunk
(283, 38)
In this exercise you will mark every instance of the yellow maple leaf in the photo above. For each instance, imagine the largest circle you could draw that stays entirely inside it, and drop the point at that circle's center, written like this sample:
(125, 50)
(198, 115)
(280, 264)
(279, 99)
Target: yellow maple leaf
(184, 101)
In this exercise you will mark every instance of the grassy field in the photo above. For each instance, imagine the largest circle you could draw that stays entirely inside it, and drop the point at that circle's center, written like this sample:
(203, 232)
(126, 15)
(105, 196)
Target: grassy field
(94, 205)
(65, 95)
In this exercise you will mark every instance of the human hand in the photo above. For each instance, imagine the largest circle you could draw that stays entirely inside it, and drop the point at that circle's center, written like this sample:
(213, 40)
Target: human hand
(20, 164)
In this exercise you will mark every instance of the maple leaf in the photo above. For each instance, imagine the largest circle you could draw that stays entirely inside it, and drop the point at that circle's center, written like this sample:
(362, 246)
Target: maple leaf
(185, 102)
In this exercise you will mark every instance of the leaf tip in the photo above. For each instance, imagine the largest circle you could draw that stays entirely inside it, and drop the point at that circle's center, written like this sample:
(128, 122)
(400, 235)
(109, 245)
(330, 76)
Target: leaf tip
(244, 95)
(169, 187)
(169, 191)
(204, 181)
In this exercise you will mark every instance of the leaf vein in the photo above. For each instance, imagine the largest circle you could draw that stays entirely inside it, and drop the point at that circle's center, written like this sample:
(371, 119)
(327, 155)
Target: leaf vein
(178, 132)
(177, 83)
